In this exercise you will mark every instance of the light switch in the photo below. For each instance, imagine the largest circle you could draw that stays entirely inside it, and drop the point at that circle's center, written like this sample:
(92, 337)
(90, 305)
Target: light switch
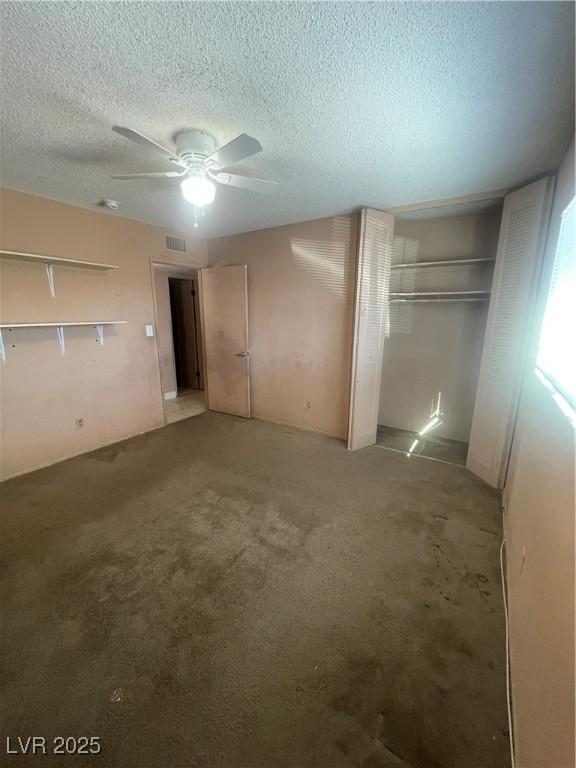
(149, 330)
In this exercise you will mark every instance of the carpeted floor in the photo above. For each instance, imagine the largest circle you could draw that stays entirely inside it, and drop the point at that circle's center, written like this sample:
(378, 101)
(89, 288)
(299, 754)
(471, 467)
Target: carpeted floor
(236, 594)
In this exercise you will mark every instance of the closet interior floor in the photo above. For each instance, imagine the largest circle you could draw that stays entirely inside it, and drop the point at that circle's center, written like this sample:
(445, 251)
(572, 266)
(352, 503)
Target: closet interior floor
(439, 448)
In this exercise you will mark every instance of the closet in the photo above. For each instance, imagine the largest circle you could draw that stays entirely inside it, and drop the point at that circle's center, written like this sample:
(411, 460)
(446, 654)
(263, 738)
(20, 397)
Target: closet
(443, 310)
(442, 267)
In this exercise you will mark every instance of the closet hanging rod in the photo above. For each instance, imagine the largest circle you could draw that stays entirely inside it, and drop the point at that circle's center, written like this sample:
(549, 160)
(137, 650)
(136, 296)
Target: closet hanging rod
(435, 301)
(443, 263)
(440, 294)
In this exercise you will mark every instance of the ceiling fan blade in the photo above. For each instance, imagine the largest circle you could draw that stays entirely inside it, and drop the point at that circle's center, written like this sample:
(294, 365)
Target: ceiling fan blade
(239, 148)
(244, 182)
(160, 175)
(128, 133)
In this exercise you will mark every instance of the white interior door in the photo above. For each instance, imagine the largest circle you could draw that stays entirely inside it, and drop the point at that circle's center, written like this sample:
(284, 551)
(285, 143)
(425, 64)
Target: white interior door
(522, 231)
(370, 324)
(224, 297)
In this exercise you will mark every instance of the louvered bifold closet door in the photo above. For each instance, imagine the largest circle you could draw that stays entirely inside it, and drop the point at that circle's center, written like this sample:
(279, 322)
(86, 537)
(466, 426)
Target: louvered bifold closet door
(370, 324)
(524, 221)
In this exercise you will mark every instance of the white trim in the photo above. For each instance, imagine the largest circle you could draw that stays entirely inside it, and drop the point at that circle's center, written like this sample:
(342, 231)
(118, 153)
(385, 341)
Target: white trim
(152, 276)
(370, 324)
(176, 267)
(462, 200)
(510, 318)
(170, 395)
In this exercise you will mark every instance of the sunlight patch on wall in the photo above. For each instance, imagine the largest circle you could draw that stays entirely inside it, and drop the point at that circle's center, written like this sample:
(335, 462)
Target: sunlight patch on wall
(328, 262)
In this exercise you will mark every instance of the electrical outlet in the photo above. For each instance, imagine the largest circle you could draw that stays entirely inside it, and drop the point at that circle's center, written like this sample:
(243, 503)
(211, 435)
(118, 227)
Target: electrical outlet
(78, 423)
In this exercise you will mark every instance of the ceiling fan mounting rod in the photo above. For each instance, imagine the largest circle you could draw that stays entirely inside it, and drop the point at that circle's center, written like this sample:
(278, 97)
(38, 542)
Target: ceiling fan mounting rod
(193, 147)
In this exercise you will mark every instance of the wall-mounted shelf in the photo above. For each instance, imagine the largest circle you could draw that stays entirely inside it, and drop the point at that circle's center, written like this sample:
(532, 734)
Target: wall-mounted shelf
(50, 262)
(59, 325)
(444, 263)
(55, 260)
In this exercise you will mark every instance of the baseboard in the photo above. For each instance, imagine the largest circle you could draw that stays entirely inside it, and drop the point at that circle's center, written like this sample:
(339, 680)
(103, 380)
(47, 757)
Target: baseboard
(79, 454)
(299, 426)
(170, 395)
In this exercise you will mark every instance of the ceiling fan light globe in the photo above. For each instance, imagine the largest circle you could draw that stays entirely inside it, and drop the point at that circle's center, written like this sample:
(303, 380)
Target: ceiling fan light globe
(198, 190)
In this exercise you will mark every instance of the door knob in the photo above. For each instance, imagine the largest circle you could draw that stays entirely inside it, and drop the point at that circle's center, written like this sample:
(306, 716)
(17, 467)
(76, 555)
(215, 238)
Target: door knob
(243, 354)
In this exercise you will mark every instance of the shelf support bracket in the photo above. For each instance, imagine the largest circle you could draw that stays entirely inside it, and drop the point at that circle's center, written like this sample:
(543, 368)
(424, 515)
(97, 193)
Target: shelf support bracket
(61, 342)
(2, 350)
(50, 276)
(100, 330)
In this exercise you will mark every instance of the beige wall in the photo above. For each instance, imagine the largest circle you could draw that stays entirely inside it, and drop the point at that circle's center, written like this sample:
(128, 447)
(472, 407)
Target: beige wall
(539, 516)
(437, 347)
(300, 280)
(114, 388)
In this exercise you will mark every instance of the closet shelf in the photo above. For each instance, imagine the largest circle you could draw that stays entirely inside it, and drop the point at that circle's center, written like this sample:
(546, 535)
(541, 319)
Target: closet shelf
(49, 262)
(59, 325)
(443, 263)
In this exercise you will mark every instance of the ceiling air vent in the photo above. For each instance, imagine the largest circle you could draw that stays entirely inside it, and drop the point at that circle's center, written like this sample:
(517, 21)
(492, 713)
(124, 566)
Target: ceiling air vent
(175, 244)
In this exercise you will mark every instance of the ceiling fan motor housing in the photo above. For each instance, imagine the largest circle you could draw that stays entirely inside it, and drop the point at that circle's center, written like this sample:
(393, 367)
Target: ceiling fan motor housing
(193, 147)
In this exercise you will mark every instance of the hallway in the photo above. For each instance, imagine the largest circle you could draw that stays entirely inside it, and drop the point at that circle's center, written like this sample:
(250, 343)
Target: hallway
(189, 403)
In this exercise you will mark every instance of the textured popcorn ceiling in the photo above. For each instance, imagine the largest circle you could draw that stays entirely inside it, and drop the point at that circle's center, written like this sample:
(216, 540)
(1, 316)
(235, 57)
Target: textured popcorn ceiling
(356, 104)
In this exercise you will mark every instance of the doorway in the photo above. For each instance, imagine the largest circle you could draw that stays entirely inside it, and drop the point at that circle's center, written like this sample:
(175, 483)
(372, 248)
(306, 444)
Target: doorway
(179, 337)
(186, 336)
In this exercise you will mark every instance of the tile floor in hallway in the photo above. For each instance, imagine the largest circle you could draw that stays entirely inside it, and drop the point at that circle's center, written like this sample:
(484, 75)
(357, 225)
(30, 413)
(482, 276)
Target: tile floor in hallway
(190, 402)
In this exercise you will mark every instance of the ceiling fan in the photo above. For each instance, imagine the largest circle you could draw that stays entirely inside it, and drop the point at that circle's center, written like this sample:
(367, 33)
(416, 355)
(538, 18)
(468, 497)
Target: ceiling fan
(200, 163)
